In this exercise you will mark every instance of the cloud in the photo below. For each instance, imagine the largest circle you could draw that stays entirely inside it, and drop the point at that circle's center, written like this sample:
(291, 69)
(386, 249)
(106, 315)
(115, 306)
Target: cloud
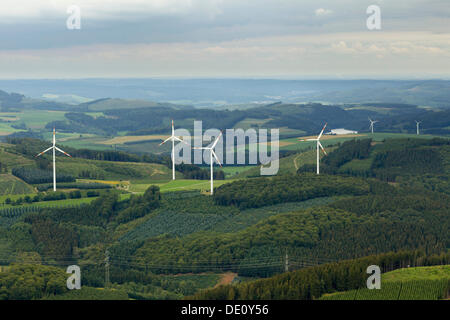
(350, 54)
(323, 12)
(103, 9)
(220, 37)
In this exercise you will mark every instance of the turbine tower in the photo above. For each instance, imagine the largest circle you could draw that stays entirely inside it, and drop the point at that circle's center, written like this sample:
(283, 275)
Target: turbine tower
(54, 148)
(417, 126)
(371, 124)
(319, 145)
(211, 155)
(172, 138)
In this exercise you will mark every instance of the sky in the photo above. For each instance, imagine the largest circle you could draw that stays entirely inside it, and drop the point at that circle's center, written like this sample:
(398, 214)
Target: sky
(297, 39)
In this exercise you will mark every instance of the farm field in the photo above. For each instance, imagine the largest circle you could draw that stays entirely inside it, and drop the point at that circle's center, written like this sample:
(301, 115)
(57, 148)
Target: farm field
(233, 171)
(125, 139)
(419, 283)
(34, 119)
(53, 203)
(177, 185)
(108, 170)
(10, 185)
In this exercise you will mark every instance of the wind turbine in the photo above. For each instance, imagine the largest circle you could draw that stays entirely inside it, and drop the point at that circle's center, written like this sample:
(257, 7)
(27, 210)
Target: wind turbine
(54, 147)
(172, 138)
(417, 125)
(319, 145)
(371, 124)
(212, 154)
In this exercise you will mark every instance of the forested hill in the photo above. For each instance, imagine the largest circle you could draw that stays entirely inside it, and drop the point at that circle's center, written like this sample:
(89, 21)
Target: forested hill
(313, 282)
(394, 160)
(308, 118)
(106, 116)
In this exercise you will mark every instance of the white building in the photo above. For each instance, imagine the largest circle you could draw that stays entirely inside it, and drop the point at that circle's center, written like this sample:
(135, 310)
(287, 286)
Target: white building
(341, 131)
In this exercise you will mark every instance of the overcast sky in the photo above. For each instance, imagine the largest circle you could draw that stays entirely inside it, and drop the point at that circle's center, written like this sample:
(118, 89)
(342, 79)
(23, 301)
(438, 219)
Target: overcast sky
(225, 38)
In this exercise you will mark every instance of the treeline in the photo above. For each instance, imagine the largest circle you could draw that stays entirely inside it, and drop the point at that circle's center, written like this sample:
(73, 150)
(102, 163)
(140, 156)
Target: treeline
(139, 120)
(30, 282)
(194, 172)
(385, 219)
(36, 176)
(390, 164)
(76, 185)
(31, 146)
(349, 150)
(53, 196)
(139, 206)
(56, 232)
(311, 283)
(388, 161)
(259, 192)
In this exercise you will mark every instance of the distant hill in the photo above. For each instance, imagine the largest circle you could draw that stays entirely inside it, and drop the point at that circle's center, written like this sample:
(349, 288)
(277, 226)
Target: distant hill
(216, 93)
(434, 93)
(10, 101)
(112, 104)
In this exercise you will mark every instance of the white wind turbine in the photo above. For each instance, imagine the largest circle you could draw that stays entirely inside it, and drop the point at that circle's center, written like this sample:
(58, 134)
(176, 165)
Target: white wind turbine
(212, 154)
(172, 138)
(417, 126)
(371, 124)
(54, 147)
(319, 145)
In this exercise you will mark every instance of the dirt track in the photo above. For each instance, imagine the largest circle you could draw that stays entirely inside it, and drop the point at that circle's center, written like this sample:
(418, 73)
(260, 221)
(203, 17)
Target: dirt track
(227, 278)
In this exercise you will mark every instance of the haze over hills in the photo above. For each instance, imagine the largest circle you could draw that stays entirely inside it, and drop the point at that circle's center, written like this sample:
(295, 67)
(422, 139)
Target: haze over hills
(222, 92)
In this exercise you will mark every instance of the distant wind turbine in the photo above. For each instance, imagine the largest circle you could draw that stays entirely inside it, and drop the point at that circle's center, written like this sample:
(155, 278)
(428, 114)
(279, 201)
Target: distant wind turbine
(371, 124)
(212, 154)
(54, 147)
(172, 138)
(417, 126)
(319, 145)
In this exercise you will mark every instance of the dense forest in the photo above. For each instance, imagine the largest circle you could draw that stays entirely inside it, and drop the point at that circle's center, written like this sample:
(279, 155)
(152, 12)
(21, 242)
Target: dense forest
(35, 176)
(253, 193)
(388, 161)
(306, 117)
(311, 283)
(248, 227)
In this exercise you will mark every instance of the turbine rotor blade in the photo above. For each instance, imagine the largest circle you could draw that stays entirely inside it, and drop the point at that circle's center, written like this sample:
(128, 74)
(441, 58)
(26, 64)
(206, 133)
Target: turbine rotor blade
(180, 140)
(321, 132)
(217, 140)
(217, 159)
(63, 152)
(321, 147)
(40, 154)
(168, 139)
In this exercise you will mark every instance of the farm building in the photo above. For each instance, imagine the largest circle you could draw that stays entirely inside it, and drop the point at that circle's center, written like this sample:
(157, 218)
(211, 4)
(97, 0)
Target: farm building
(341, 131)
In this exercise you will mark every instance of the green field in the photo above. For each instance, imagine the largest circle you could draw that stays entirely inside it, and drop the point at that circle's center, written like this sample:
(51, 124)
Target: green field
(54, 203)
(108, 170)
(12, 160)
(10, 185)
(420, 283)
(232, 171)
(34, 119)
(177, 185)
